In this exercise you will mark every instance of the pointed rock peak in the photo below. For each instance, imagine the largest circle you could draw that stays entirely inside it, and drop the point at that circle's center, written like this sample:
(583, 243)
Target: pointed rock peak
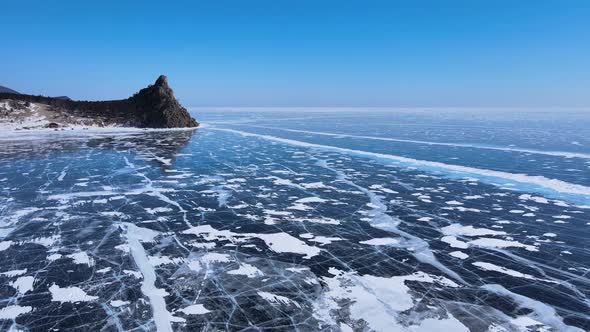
(162, 81)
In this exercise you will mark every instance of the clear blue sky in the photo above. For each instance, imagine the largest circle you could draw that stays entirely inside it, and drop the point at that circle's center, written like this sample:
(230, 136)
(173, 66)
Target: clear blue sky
(303, 53)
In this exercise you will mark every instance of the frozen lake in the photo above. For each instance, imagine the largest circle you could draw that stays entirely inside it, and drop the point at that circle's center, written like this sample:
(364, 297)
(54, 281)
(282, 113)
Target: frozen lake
(303, 220)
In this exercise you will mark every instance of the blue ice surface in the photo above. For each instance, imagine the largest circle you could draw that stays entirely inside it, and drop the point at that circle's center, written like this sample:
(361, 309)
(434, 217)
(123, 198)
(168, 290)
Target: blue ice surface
(559, 131)
(212, 197)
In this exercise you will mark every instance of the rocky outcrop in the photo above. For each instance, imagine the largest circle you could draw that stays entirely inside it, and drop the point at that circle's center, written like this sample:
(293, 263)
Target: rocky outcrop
(159, 108)
(151, 107)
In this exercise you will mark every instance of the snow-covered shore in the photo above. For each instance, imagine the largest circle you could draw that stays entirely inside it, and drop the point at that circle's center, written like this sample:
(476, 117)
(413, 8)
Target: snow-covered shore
(32, 121)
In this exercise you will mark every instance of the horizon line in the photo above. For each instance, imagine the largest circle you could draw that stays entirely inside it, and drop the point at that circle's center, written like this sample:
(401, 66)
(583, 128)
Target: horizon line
(413, 108)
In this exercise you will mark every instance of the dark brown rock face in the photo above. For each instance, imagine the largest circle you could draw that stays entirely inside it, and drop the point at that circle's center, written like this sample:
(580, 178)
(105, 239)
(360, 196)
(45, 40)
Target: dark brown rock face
(158, 108)
(151, 107)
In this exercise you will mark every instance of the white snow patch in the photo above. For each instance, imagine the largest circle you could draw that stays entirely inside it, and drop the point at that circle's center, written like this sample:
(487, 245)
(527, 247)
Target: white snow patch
(248, 270)
(459, 254)
(118, 303)
(23, 284)
(376, 300)
(498, 243)
(278, 242)
(460, 230)
(5, 245)
(278, 299)
(14, 273)
(454, 242)
(158, 210)
(324, 239)
(44, 241)
(446, 324)
(500, 269)
(81, 258)
(69, 294)
(311, 200)
(384, 241)
(527, 197)
(164, 260)
(13, 311)
(195, 309)
(454, 203)
(314, 185)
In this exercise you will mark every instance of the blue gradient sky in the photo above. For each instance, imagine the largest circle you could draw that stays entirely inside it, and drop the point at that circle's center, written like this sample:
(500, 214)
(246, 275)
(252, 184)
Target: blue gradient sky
(303, 53)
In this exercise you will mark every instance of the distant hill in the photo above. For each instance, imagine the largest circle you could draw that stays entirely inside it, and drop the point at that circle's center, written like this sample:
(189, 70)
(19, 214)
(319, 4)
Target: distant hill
(4, 89)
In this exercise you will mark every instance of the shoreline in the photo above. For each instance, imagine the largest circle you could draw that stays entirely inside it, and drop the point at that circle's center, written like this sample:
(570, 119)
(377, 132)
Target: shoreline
(41, 133)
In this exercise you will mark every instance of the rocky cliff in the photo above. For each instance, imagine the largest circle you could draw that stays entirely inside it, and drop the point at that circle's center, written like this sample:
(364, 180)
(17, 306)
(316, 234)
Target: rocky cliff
(158, 108)
(151, 107)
